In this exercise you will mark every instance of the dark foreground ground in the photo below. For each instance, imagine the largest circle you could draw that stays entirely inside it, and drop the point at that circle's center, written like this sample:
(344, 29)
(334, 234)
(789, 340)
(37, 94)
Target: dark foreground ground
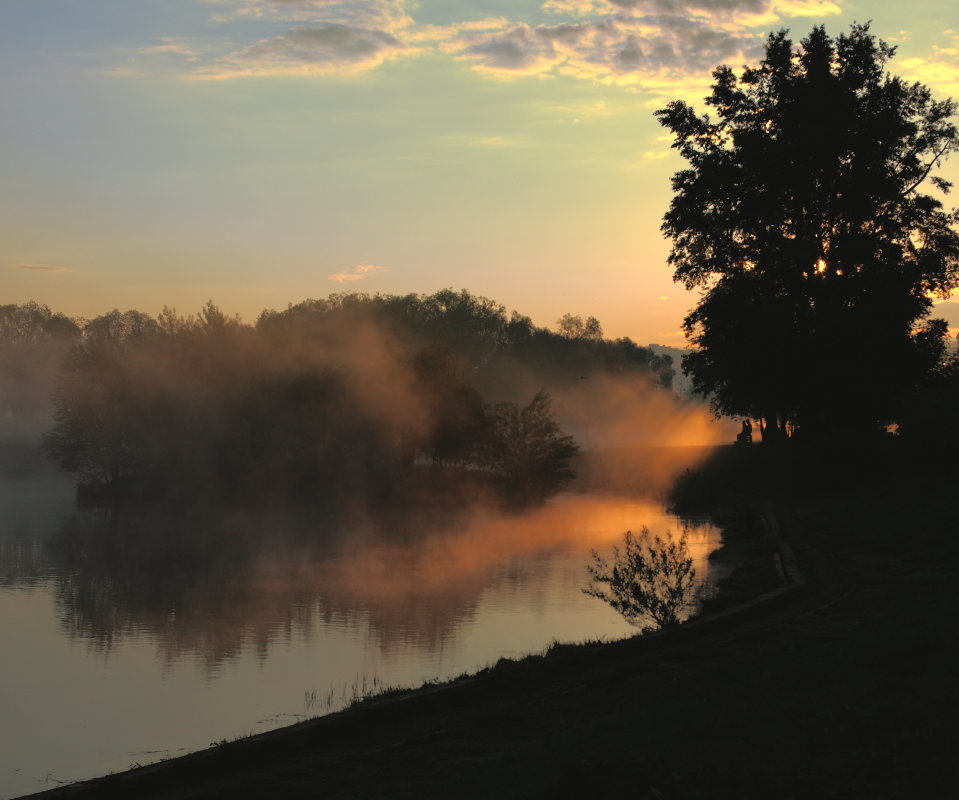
(845, 686)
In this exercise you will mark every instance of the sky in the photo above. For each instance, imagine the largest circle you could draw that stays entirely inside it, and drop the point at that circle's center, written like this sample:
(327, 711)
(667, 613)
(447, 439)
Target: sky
(261, 152)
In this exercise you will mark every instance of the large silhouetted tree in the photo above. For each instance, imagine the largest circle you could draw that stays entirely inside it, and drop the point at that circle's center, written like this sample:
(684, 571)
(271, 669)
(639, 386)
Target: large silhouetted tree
(800, 216)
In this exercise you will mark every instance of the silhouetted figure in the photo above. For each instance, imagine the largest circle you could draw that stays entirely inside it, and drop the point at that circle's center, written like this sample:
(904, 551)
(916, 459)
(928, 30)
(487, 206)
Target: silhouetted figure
(746, 434)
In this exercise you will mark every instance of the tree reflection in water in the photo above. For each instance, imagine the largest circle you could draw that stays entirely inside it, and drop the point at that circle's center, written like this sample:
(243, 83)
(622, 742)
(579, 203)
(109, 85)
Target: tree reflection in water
(210, 585)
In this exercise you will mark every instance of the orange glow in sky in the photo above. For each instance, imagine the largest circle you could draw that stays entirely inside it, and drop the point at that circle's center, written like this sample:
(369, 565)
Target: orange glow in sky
(259, 152)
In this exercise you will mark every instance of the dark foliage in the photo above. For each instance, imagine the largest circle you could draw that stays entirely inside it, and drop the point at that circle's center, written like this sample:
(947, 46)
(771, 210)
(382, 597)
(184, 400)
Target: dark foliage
(928, 417)
(800, 217)
(348, 397)
(651, 581)
(33, 339)
(525, 449)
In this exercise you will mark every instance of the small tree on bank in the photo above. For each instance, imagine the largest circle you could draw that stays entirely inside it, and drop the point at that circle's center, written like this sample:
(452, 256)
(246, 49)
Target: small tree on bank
(526, 450)
(799, 215)
(650, 582)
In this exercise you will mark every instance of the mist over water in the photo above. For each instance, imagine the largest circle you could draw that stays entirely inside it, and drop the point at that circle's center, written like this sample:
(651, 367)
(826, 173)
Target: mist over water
(134, 636)
(637, 438)
(308, 509)
(212, 586)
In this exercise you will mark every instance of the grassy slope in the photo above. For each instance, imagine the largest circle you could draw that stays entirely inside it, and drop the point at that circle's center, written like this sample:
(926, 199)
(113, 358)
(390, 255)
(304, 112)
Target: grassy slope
(846, 690)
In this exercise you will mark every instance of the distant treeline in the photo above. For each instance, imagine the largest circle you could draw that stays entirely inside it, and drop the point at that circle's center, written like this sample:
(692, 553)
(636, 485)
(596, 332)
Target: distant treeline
(354, 395)
(33, 341)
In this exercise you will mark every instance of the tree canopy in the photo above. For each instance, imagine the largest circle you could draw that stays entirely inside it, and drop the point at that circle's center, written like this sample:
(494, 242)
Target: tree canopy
(33, 339)
(800, 217)
(350, 396)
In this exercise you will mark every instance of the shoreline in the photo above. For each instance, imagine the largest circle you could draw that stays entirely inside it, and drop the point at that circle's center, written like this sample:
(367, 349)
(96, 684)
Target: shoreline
(834, 688)
(391, 701)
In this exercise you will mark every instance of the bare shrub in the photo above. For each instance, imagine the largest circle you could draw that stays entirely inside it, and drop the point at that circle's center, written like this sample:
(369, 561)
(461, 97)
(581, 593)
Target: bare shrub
(650, 580)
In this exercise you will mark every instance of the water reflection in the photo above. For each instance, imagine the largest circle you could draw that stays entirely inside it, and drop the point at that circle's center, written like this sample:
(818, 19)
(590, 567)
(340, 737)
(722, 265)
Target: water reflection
(133, 635)
(210, 585)
(29, 510)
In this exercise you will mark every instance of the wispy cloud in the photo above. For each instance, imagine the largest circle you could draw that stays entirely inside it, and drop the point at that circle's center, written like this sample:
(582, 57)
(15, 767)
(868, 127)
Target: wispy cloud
(331, 37)
(631, 41)
(322, 49)
(39, 267)
(657, 46)
(439, 34)
(805, 8)
(654, 155)
(673, 336)
(612, 49)
(940, 69)
(171, 46)
(358, 273)
(779, 8)
(368, 13)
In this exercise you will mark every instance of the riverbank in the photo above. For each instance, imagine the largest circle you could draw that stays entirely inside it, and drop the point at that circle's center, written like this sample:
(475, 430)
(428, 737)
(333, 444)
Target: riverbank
(842, 689)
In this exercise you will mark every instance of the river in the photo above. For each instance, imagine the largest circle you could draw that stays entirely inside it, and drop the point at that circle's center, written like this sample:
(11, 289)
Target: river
(132, 637)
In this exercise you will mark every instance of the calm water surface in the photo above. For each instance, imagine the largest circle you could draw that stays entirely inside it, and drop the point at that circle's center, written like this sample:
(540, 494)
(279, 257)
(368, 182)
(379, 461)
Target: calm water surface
(129, 638)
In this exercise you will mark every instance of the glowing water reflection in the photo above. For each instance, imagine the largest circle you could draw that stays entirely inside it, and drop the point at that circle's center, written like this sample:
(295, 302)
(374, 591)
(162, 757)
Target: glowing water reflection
(131, 637)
